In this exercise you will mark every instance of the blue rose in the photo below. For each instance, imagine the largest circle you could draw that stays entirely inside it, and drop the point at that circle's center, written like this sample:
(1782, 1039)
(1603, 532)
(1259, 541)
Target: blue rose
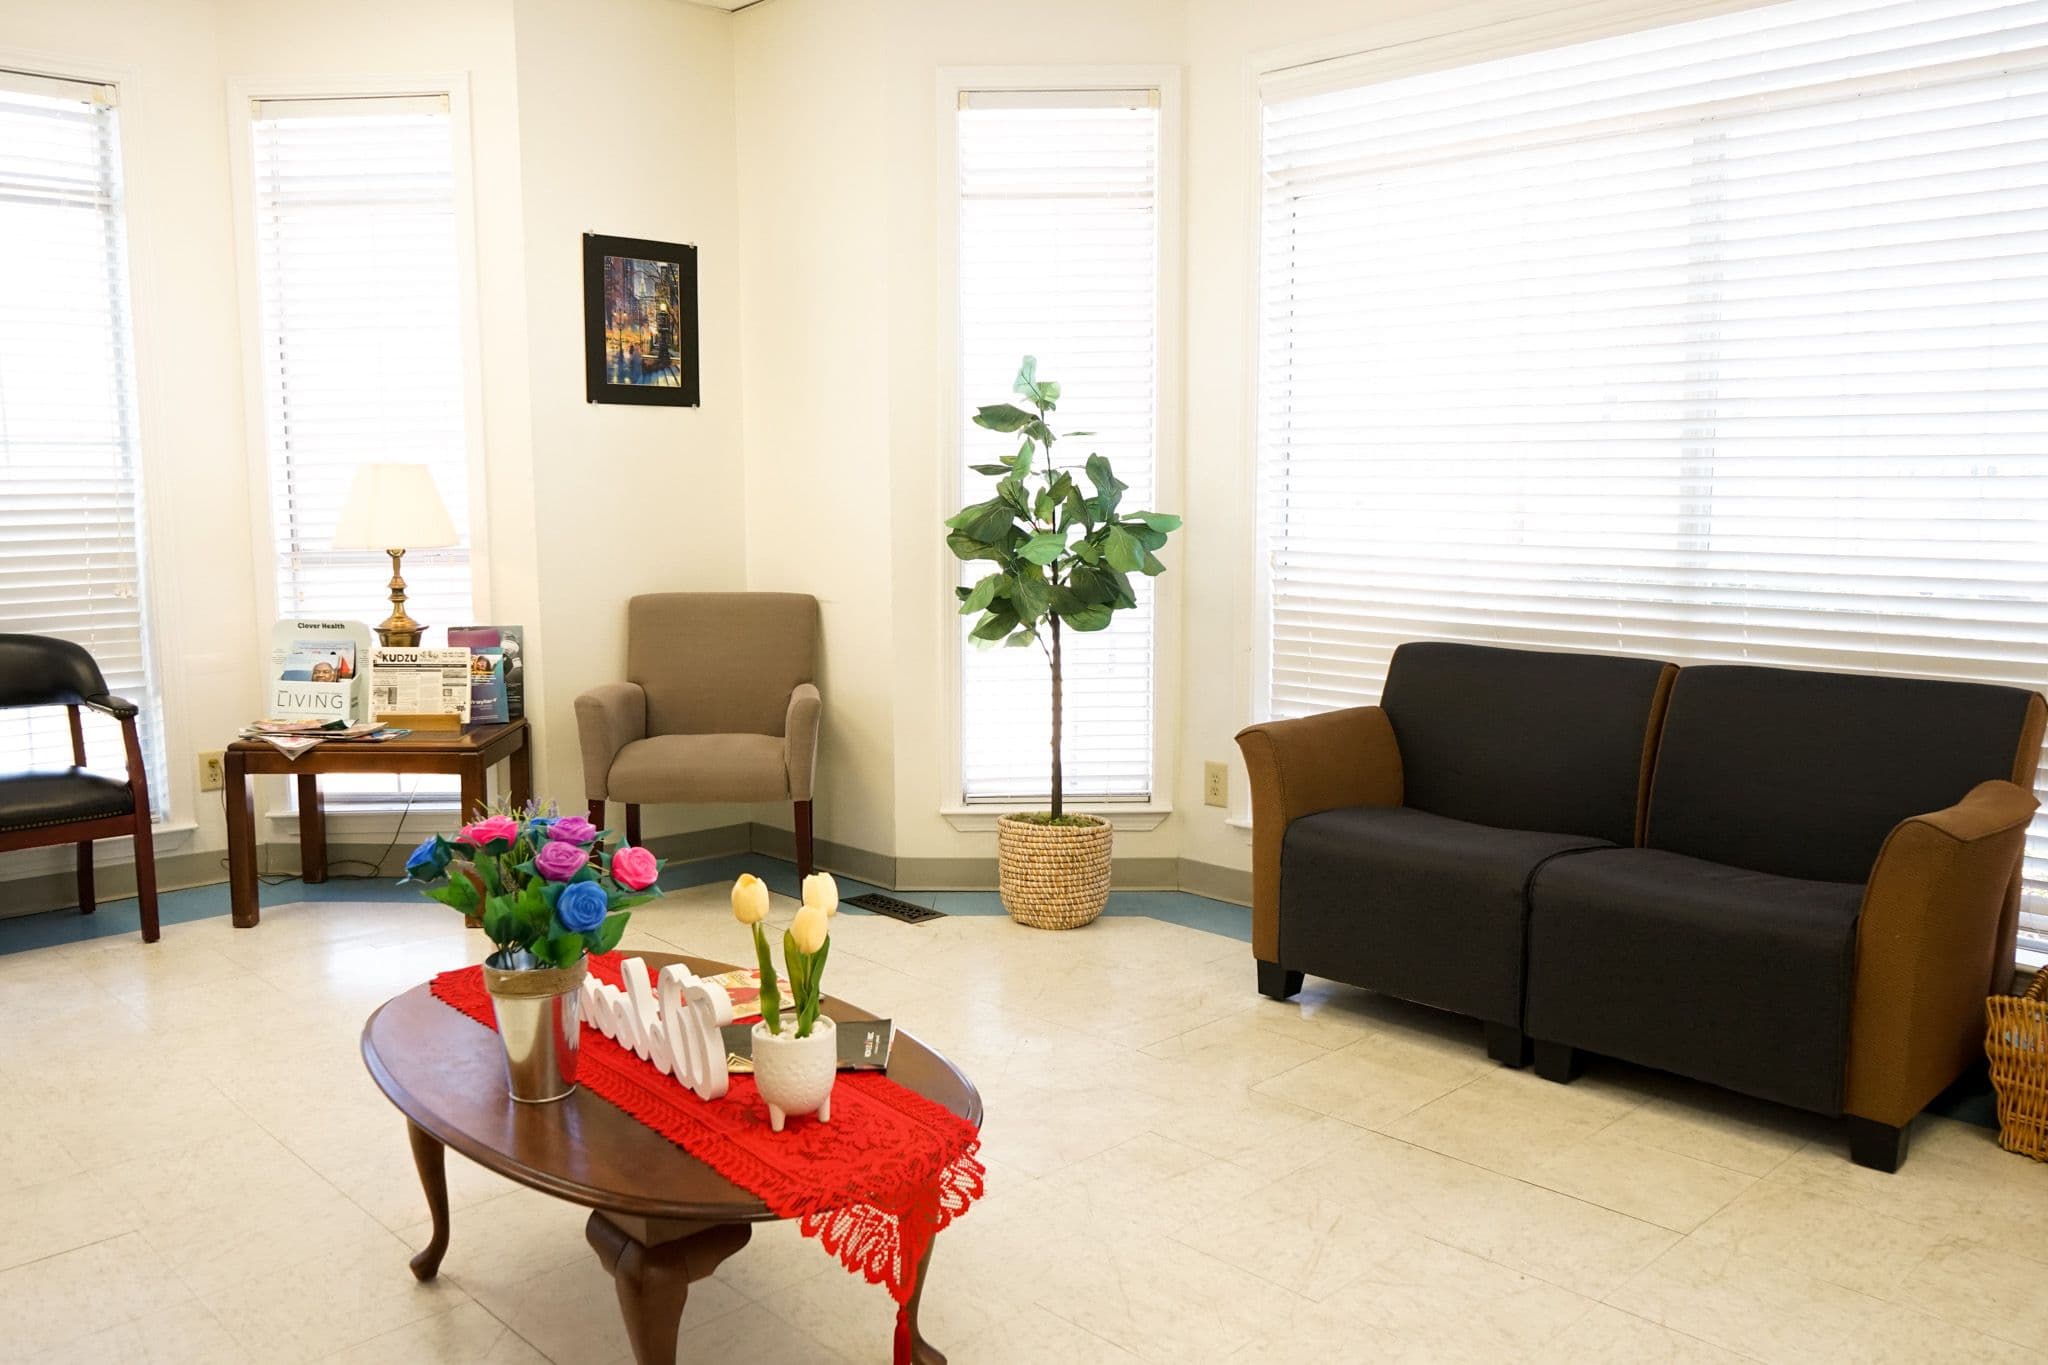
(427, 861)
(582, 907)
(537, 827)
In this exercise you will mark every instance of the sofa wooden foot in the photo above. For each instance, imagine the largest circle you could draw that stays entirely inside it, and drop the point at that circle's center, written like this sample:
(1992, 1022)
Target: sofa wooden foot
(1558, 1062)
(1879, 1146)
(1507, 1044)
(1277, 983)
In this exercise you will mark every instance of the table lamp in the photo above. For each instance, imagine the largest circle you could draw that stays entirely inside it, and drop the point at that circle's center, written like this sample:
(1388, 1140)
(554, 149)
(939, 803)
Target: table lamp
(394, 508)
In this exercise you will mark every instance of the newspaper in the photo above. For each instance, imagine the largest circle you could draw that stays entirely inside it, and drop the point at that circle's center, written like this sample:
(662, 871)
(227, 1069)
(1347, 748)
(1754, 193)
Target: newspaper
(419, 682)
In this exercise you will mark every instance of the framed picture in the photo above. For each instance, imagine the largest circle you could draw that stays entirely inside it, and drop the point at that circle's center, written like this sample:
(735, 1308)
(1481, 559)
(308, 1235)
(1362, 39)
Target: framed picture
(639, 321)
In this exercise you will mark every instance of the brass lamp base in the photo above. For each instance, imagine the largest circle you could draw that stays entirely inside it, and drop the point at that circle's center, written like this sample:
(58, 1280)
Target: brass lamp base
(398, 630)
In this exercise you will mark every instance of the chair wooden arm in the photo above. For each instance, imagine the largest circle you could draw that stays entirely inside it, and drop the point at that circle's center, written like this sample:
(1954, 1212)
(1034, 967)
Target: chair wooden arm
(1299, 767)
(1924, 950)
(800, 739)
(120, 708)
(608, 718)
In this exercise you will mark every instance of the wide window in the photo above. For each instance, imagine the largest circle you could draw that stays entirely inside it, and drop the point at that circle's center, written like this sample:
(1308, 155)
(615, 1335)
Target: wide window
(71, 535)
(1059, 257)
(359, 269)
(1722, 341)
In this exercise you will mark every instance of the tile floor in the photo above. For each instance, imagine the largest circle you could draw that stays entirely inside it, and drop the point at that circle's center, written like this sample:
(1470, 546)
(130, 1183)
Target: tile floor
(197, 1169)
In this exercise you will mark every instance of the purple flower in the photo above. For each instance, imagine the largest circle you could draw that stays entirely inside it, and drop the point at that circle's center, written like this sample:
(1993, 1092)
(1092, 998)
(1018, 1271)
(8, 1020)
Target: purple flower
(558, 862)
(572, 829)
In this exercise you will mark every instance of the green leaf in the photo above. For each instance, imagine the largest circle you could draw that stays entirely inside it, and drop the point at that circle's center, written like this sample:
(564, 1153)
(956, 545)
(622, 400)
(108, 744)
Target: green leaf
(1091, 586)
(981, 595)
(1040, 431)
(771, 993)
(1087, 618)
(1042, 505)
(1021, 639)
(609, 933)
(984, 521)
(1122, 550)
(1002, 417)
(1000, 621)
(1020, 463)
(998, 470)
(1049, 389)
(1030, 596)
(967, 547)
(1151, 566)
(1044, 547)
(1158, 521)
(1109, 489)
(1088, 551)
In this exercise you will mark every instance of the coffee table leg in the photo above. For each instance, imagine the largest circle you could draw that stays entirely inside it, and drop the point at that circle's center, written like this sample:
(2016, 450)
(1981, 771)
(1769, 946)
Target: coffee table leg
(653, 1282)
(431, 1157)
(922, 1351)
(242, 904)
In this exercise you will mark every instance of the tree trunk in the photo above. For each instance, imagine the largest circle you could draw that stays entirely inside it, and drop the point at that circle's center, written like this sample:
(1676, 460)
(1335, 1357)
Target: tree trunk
(1056, 778)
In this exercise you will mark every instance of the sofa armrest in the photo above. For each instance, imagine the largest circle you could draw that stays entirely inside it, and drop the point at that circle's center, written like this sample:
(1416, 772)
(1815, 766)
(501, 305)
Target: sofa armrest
(1924, 950)
(1298, 767)
(608, 718)
(120, 708)
(800, 740)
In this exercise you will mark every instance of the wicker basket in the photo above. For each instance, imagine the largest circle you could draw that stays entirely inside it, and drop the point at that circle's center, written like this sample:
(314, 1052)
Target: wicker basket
(1053, 876)
(2017, 1043)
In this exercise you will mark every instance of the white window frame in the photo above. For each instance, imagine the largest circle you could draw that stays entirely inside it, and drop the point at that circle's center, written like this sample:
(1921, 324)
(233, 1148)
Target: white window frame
(243, 96)
(172, 821)
(981, 816)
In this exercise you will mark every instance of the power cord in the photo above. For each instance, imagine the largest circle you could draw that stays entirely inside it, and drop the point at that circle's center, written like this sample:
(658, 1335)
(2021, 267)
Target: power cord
(376, 866)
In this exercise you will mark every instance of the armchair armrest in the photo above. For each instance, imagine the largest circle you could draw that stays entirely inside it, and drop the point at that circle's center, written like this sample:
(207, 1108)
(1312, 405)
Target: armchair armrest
(800, 740)
(120, 708)
(608, 718)
(1925, 947)
(1299, 767)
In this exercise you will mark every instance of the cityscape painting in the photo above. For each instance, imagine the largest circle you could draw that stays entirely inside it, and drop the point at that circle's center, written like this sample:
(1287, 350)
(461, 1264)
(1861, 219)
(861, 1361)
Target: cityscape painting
(640, 321)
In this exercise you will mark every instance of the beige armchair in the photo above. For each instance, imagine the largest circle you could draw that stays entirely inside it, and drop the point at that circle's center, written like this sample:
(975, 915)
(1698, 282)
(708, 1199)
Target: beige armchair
(719, 705)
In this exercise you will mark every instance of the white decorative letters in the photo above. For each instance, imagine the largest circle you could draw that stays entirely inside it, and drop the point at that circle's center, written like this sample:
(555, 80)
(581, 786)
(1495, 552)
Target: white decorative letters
(676, 1030)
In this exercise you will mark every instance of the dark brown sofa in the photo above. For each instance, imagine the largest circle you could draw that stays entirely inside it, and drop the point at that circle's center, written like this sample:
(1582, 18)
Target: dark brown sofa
(1794, 884)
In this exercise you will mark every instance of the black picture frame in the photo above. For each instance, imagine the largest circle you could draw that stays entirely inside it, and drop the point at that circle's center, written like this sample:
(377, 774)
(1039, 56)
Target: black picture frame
(664, 271)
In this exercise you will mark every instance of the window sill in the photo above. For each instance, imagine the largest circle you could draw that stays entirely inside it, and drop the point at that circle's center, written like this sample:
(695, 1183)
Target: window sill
(981, 817)
(371, 817)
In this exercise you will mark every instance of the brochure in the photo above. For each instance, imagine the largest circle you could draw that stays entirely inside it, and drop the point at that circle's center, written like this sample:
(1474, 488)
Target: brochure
(314, 669)
(497, 671)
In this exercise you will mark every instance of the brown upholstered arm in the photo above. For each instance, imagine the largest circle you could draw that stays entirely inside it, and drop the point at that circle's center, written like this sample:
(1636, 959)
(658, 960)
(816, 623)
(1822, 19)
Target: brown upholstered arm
(1299, 767)
(1930, 915)
(608, 718)
(800, 740)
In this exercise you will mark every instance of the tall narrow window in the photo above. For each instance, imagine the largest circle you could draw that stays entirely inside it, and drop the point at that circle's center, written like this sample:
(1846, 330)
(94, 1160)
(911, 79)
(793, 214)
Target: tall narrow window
(71, 534)
(1720, 341)
(1059, 257)
(358, 269)
(363, 359)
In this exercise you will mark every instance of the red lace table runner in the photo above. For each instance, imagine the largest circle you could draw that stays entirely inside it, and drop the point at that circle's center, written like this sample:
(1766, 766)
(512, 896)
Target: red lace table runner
(875, 1185)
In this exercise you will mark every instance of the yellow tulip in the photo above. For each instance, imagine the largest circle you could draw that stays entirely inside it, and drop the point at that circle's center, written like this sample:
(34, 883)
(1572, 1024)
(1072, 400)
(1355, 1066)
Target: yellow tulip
(820, 890)
(811, 926)
(749, 899)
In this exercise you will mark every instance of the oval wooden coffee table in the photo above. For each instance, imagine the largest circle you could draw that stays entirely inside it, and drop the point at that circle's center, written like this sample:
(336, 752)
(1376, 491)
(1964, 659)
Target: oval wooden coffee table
(659, 1217)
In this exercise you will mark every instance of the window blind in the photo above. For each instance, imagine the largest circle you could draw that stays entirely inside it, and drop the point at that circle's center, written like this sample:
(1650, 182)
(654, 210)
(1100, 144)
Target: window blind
(1722, 341)
(363, 356)
(1059, 258)
(71, 534)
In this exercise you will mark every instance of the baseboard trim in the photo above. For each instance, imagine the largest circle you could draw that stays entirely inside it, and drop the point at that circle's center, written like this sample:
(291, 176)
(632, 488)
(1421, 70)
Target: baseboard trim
(1233, 884)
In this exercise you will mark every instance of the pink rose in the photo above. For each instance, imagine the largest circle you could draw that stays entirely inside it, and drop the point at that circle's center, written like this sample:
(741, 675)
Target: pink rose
(572, 829)
(635, 868)
(499, 829)
(558, 862)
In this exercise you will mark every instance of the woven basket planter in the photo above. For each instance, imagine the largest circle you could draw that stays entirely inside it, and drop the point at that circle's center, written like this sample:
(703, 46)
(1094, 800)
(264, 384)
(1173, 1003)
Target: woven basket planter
(2017, 1044)
(1053, 876)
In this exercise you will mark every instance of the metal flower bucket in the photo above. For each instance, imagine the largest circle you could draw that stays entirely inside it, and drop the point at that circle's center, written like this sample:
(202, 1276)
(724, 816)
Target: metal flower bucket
(539, 1018)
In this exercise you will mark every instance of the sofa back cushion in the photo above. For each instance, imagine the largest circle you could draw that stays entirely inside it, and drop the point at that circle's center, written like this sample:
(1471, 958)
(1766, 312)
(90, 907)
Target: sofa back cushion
(716, 663)
(1525, 739)
(1803, 774)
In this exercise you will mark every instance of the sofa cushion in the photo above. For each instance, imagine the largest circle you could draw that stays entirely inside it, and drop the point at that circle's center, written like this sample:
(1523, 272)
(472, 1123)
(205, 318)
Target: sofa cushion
(1736, 977)
(58, 796)
(1524, 739)
(695, 768)
(1417, 905)
(1803, 774)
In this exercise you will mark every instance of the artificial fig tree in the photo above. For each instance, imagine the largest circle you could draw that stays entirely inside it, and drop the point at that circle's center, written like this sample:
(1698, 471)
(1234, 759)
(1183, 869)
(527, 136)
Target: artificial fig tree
(1062, 557)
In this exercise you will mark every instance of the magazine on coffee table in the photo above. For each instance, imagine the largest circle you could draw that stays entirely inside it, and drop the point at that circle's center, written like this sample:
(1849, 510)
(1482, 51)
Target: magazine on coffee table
(863, 1045)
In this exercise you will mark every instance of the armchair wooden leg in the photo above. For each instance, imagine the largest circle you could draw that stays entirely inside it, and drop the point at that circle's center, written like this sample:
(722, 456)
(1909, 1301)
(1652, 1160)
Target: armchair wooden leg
(145, 837)
(805, 860)
(1878, 1146)
(86, 904)
(633, 823)
(597, 814)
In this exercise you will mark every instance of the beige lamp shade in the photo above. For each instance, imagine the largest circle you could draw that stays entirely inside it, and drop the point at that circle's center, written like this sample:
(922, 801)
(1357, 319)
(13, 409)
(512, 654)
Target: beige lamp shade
(393, 507)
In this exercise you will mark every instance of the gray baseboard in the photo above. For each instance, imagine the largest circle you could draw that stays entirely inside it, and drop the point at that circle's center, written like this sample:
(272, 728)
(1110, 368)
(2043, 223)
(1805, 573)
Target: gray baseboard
(1233, 884)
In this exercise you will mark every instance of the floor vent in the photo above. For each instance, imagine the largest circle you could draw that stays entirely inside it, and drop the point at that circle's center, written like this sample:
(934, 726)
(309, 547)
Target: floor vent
(880, 904)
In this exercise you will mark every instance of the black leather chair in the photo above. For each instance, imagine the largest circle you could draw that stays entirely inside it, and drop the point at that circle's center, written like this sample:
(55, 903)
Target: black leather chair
(44, 806)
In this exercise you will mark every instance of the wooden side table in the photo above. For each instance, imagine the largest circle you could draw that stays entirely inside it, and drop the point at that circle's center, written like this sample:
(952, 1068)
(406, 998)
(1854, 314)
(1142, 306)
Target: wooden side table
(468, 756)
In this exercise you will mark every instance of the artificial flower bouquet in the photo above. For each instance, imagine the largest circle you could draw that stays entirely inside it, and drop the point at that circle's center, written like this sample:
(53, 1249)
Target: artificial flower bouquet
(804, 946)
(542, 884)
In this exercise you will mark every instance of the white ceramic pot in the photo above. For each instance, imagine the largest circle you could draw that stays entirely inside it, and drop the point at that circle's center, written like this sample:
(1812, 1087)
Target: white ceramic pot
(796, 1074)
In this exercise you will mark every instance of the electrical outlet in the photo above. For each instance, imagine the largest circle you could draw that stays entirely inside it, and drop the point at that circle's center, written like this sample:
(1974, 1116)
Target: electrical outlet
(1215, 784)
(212, 775)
